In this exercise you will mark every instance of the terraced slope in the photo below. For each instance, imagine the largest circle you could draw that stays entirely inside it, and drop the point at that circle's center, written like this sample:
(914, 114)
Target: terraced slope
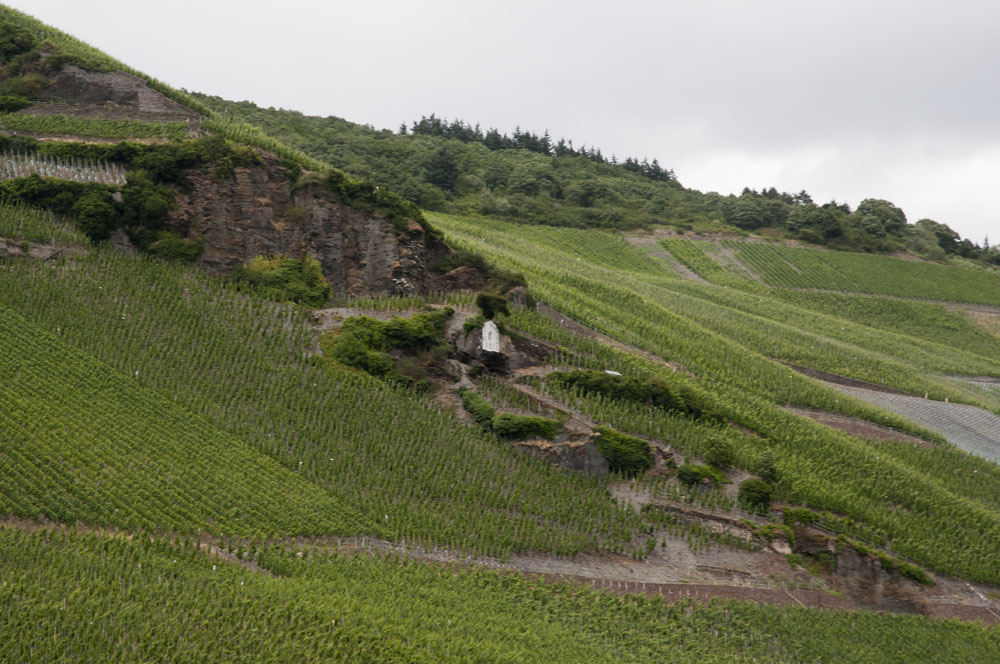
(114, 600)
(251, 368)
(973, 429)
(726, 334)
(82, 442)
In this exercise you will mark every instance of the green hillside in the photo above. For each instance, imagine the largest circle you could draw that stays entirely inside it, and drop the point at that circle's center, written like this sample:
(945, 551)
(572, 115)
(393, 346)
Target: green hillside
(193, 471)
(142, 601)
(523, 177)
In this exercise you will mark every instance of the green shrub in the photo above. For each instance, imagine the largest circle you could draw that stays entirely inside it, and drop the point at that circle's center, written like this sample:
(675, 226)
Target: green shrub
(801, 515)
(349, 350)
(13, 103)
(480, 409)
(766, 468)
(506, 425)
(718, 452)
(693, 473)
(461, 258)
(652, 392)
(625, 454)
(418, 332)
(473, 323)
(172, 246)
(491, 305)
(755, 494)
(287, 279)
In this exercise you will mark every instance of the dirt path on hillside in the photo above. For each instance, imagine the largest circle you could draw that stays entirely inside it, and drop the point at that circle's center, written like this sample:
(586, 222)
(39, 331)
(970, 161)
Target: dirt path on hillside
(707, 575)
(856, 426)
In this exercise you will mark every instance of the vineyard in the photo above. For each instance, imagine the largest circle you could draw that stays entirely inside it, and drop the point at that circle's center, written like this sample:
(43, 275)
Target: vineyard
(187, 473)
(19, 165)
(681, 322)
(96, 128)
(801, 267)
(95, 598)
(249, 367)
(24, 224)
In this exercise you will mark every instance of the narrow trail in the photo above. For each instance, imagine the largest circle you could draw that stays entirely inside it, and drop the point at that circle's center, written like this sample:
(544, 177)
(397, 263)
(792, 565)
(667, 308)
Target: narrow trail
(617, 574)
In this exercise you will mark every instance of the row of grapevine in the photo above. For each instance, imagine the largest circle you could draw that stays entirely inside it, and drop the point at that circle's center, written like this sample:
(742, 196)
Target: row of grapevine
(802, 267)
(86, 597)
(19, 223)
(84, 443)
(92, 127)
(250, 367)
(19, 165)
(935, 523)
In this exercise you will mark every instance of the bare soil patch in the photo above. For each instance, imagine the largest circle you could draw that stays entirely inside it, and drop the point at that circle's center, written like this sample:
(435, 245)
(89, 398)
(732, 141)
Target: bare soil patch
(844, 380)
(858, 427)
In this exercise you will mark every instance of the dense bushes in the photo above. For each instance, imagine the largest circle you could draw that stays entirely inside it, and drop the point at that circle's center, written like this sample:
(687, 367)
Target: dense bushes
(650, 391)
(693, 473)
(491, 305)
(145, 200)
(287, 279)
(480, 409)
(755, 494)
(506, 425)
(363, 343)
(625, 454)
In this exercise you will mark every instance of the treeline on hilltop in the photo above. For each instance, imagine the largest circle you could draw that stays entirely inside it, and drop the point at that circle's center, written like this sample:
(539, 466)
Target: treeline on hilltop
(875, 226)
(526, 140)
(453, 166)
(457, 167)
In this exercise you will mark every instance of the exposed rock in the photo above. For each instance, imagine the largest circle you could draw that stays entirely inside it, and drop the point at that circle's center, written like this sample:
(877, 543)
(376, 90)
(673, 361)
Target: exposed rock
(810, 542)
(464, 277)
(256, 212)
(580, 456)
(119, 240)
(515, 353)
(518, 297)
(112, 96)
(40, 251)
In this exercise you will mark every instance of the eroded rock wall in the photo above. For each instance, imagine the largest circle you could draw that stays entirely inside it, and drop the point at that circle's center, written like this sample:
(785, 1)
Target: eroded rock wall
(255, 212)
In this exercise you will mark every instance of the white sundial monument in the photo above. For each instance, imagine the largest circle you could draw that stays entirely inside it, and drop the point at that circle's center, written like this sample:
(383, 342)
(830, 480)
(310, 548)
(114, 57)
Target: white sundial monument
(491, 337)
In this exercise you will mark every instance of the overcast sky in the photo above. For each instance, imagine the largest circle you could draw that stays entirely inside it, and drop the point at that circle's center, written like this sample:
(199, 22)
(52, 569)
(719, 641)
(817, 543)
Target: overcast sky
(847, 100)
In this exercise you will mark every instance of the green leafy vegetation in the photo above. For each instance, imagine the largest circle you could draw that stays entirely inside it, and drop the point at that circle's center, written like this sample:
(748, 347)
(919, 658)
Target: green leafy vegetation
(625, 454)
(723, 335)
(363, 342)
(96, 128)
(280, 278)
(482, 411)
(521, 427)
(755, 493)
(654, 392)
(693, 473)
(183, 604)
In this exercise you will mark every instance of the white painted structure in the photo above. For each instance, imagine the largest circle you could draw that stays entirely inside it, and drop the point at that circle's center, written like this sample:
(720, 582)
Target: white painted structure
(491, 337)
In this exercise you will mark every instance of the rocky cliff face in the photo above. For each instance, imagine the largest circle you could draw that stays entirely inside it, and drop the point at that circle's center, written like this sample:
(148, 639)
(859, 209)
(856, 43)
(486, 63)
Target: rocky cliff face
(256, 212)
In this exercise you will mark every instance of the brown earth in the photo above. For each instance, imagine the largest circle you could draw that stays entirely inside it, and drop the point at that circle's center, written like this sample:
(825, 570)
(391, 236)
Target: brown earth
(858, 427)
(844, 380)
(622, 575)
